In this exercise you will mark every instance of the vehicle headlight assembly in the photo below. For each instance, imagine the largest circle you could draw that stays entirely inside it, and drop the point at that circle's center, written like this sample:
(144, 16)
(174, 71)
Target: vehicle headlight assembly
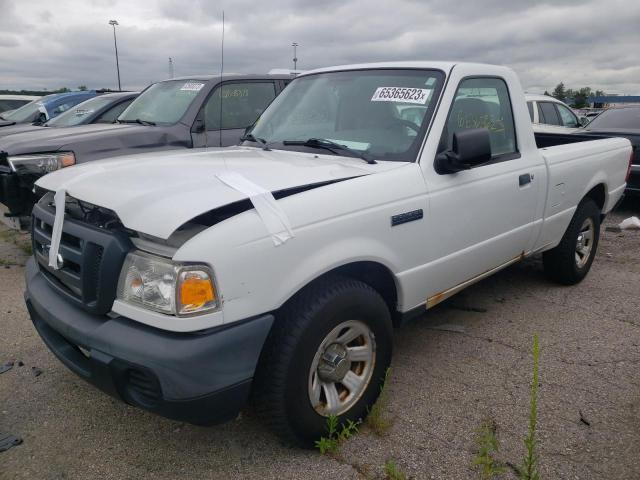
(41, 163)
(165, 286)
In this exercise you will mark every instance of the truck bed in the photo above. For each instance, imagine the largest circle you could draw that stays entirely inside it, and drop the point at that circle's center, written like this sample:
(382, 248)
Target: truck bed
(545, 140)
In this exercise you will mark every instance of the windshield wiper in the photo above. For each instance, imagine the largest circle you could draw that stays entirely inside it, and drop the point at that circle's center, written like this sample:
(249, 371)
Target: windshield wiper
(249, 137)
(331, 146)
(140, 121)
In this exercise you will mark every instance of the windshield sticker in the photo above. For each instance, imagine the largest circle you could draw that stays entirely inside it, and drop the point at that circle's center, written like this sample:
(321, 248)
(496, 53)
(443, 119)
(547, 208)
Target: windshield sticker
(362, 146)
(192, 86)
(401, 95)
(81, 112)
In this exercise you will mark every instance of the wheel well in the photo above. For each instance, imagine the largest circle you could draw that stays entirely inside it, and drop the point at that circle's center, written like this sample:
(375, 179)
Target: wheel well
(376, 275)
(598, 195)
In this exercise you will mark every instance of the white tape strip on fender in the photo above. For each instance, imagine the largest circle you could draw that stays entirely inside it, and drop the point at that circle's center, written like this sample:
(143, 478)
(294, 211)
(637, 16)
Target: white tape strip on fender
(56, 232)
(270, 213)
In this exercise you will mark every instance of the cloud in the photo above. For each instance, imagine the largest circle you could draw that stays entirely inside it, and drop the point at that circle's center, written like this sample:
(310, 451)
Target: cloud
(578, 42)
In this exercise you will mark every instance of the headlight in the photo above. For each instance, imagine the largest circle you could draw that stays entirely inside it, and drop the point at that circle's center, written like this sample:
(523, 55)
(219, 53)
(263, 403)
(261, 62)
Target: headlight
(41, 163)
(165, 286)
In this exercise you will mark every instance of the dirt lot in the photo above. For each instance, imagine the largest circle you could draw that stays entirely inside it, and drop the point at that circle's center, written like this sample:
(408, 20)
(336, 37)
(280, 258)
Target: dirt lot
(467, 360)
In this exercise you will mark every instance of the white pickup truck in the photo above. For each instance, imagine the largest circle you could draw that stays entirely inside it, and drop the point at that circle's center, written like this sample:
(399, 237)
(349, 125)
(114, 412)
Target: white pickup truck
(187, 282)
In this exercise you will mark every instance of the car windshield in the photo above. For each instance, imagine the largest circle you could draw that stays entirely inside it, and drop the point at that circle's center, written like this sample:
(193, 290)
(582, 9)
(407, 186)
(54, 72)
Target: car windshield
(163, 103)
(383, 113)
(25, 113)
(624, 118)
(75, 115)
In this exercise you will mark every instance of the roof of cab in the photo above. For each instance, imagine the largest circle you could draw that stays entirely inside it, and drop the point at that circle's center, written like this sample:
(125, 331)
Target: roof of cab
(228, 76)
(444, 66)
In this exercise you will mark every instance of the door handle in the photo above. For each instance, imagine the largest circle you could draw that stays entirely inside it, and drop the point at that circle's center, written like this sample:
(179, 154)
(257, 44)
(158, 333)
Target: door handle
(525, 179)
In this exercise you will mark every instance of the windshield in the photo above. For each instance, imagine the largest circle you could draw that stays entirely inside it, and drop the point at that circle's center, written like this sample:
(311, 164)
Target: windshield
(25, 113)
(383, 113)
(624, 118)
(163, 103)
(75, 115)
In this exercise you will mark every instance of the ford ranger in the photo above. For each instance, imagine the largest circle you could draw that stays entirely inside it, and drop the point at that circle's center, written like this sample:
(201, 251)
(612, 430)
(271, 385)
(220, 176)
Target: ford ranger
(186, 283)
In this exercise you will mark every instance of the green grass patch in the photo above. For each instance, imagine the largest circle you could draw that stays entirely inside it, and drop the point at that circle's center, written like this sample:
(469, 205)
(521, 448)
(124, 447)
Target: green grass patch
(488, 446)
(337, 434)
(393, 472)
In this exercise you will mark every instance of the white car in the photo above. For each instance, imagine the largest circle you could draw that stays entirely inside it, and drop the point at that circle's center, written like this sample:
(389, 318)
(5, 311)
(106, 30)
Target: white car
(182, 282)
(550, 115)
(12, 102)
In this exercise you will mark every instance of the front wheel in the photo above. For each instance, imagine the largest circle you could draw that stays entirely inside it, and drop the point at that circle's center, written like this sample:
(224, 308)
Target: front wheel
(327, 355)
(570, 261)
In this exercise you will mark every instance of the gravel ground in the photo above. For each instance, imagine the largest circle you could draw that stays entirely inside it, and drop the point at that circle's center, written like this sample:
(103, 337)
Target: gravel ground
(468, 360)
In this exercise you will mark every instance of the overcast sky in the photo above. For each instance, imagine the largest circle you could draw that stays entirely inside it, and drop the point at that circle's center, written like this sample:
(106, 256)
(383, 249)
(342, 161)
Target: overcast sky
(50, 44)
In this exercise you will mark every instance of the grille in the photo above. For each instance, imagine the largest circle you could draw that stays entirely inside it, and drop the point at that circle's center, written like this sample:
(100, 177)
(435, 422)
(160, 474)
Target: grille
(91, 257)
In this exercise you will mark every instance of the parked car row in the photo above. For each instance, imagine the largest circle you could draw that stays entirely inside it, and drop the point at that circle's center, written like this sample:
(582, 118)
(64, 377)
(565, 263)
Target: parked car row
(190, 112)
(8, 103)
(45, 108)
(184, 282)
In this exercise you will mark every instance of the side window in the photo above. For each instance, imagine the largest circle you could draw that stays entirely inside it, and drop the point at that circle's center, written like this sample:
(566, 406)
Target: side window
(530, 107)
(549, 113)
(242, 104)
(567, 117)
(62, 108)
(110, 115)
(483, 103)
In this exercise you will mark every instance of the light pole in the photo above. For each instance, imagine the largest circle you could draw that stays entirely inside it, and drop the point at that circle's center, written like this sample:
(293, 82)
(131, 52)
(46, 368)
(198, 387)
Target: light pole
(295, 57)
(113, 23)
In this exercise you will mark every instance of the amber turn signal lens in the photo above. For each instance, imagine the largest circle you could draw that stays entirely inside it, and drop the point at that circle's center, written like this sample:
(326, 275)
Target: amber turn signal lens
(196, 291)
(67, 160)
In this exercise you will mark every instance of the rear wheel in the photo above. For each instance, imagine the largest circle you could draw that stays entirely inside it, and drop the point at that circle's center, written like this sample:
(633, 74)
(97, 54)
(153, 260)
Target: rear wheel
(326, 355)
(570, 261)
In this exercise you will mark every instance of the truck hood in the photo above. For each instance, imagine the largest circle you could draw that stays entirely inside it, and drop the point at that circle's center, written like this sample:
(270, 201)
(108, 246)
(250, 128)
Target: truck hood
(19, 128)
(156, 193)
(55, 138)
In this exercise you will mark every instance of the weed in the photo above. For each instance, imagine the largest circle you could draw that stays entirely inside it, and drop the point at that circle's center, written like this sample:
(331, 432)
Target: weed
(375, 417)
(337, 435)
(392, 471)
(529, 470)
(487, 447)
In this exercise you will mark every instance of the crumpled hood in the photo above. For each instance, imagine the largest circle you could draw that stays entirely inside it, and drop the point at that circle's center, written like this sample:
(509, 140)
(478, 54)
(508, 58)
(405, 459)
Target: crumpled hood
(155, 193)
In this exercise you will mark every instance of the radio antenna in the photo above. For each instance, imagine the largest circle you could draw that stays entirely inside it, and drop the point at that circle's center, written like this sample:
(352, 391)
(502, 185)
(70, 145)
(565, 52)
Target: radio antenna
(221, 84)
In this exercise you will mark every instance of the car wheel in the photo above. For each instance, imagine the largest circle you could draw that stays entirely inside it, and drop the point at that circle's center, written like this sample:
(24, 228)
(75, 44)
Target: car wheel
(327, 354)
(570, 261)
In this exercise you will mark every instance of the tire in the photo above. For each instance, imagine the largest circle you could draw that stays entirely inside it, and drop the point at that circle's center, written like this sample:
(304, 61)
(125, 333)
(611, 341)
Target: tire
(287, 379)
(564, 263)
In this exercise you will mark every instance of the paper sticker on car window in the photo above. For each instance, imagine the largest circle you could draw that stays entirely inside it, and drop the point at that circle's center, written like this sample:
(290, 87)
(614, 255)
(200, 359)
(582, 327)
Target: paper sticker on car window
(401, 94)
(192, 86)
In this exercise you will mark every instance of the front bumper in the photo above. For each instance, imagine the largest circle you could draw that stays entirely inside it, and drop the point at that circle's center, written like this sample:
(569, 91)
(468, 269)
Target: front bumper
(201, 378)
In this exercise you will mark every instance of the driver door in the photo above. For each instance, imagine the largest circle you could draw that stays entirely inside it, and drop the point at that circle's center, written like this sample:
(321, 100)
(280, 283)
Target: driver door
(229, 110)
(481, 218)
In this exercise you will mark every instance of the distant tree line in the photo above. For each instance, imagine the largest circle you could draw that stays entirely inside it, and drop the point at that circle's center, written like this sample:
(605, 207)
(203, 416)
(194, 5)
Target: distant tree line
(576, 98)
(82, 88)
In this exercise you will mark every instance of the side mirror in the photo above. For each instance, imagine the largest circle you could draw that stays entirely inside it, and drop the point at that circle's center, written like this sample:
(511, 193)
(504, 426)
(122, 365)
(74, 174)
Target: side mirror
(38, 118)
(584, 121)
(198, 125)
(470, 148)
